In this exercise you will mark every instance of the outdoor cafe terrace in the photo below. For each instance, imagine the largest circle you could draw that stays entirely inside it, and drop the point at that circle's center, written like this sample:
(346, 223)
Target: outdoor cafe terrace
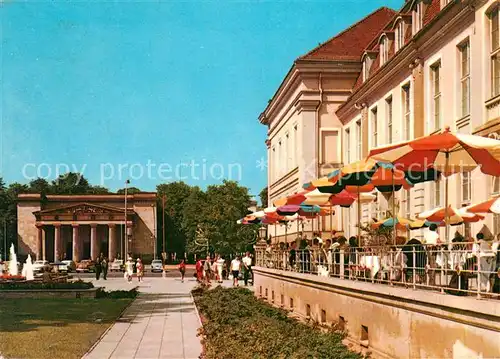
(461, 268)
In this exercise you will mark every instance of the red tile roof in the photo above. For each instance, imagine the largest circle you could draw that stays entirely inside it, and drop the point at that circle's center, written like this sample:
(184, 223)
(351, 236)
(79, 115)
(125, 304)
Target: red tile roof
(431, 11)
(351, 43)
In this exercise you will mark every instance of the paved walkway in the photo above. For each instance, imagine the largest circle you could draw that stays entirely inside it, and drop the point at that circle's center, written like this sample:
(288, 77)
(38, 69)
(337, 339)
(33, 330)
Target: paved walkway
(161, 323)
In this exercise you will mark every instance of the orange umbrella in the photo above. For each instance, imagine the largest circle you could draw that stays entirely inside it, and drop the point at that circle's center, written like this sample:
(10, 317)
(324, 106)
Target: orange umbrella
(450, 215)
(490, 206)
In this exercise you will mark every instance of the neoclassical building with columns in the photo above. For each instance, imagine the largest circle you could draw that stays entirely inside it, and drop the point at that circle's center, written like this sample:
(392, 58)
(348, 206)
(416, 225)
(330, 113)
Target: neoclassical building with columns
(78, 227)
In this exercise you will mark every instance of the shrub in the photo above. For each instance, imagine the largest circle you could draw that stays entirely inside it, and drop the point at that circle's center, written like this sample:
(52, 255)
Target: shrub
(40, 285)
(240, 326)
(117, 294)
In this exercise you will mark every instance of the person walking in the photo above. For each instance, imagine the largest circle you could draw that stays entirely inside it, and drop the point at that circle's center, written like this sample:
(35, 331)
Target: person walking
(220, 268)
(97, 268)
(182, 269)
(247, 266)
(129, 269)
(207, 269)
(199, 271)
(235, 270)
(140, 269)
(104, 268)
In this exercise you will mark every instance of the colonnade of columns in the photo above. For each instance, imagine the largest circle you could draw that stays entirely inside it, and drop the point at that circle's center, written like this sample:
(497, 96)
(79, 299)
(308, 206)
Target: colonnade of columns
(95, 243)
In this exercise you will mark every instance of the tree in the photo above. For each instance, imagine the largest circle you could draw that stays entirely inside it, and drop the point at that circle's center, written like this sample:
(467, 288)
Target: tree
(130, 190)
(263, 197)
(98, 190)
(40, 185)
(71, 183)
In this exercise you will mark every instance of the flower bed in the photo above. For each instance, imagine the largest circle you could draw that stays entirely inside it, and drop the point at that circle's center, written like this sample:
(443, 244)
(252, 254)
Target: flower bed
(11, 277)
(238, 326)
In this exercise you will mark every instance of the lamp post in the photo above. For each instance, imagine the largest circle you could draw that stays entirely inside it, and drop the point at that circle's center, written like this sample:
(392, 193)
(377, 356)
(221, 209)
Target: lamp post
(126, 229)
(154, 230)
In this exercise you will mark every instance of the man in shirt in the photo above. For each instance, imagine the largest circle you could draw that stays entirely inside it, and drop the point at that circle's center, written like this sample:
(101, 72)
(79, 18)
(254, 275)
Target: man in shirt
(247, 265)
(235, 270)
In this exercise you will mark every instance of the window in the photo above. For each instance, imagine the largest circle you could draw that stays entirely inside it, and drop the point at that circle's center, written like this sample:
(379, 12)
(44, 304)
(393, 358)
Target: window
(358, 139)
(280, 159)
(418, 16)
(495, 55)
(294, 146)
(273, 164)
(464, 50)
(399, 36)
(366, 68)
(347, 146)
(288, 153)
(466, 188)
(436, 96)
(388, 105)
(406, 112)
(495, 188)
(374, 127)
(496, 224)
(407, 199)
(384, 51)
(436, 194)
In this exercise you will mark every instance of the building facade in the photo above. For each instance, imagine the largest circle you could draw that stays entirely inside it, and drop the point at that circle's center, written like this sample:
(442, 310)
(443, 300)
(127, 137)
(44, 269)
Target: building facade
(80, 227)
(432, 64)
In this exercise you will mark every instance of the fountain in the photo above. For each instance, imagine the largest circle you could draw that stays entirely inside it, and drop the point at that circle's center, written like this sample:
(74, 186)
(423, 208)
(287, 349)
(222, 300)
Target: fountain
(13, 271)
(28, 269)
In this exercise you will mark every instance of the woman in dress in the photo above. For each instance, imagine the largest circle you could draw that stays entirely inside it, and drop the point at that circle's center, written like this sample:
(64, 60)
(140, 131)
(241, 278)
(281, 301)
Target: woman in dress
(182, 269)
(129, 269)
(140, 270)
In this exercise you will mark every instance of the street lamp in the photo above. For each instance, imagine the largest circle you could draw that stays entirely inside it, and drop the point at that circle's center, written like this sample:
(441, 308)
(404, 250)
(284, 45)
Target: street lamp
(127, 182)
(154, 230)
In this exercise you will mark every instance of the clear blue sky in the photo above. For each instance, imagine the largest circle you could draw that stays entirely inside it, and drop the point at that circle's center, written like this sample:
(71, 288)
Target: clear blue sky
(96, 83)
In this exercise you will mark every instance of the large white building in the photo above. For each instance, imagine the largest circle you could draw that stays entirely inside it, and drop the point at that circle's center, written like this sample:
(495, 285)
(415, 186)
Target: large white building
(393, 76)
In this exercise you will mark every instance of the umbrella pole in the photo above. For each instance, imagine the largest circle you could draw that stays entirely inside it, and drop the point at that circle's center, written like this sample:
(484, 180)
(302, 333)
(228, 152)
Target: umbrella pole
(359, 218)
(298, 220)
(286, 232)
(393, 208)
(275, 229)
(446, 166)
(331, 220)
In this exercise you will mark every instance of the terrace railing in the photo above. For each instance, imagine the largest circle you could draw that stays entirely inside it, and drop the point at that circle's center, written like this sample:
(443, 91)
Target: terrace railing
(465, 269)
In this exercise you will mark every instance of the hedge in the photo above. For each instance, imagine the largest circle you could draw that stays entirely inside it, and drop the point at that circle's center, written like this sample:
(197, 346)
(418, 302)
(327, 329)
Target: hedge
(40, 285)
(239, 326)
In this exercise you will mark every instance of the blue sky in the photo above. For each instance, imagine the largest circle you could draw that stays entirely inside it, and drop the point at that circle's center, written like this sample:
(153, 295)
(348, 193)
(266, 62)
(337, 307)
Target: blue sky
(98, 85)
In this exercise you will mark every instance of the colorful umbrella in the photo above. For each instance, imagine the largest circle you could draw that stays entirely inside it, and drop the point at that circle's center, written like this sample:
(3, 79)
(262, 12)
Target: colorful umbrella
(418, 224)
(398, 223)
(288, 209)
(449, 215)
(490, 206)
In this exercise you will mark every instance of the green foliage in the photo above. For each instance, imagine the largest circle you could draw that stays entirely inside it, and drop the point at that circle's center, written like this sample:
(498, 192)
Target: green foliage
(239, 326)
(263, 197)
(130, 190)
(117, 294)
(71, 183)
(40, 285)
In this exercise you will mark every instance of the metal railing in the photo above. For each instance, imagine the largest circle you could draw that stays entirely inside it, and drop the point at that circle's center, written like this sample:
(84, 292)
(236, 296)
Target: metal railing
(465, 269)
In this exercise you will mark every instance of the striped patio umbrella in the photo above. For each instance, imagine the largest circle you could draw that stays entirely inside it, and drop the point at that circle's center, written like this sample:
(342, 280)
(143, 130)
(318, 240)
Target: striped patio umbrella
(398, 223)
(419, 223)
(450, 215)
(446, 152)
(490, 206)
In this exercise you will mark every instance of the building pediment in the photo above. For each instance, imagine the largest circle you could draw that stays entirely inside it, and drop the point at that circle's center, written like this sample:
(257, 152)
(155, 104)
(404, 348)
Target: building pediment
(81, 209)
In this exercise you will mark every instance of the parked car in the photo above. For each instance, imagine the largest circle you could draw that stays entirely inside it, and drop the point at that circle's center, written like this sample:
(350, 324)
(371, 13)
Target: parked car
(41, 266)
(67, 266)
(117, 266)
(86, 265)
(156, 265)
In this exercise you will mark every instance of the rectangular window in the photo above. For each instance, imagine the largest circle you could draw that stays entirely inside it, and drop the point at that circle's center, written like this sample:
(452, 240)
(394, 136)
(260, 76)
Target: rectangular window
(496, 223)
(495, 188)
(399, 36)
(280, 161)
(465, 77)
(347, 146)
(358, 139)
(374, 127)
(436, 96)
(272, 165)
(294, 148)
(388, 103)
(406, 112)
(494, 53)
(436, 201)
(466, 188)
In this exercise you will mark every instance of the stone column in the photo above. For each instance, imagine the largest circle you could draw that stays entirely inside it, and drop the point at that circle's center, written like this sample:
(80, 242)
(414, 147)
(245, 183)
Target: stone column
(57, 242)
(39, 242)
(94, 243)
(44, 239)
(418, 98)
(76, 243)
(112, 241)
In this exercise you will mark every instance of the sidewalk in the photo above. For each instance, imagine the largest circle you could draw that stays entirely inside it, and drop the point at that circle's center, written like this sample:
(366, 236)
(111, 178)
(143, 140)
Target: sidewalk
(161, 323)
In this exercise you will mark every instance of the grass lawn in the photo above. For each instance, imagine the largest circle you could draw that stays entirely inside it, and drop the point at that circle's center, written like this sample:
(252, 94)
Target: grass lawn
(54, 328)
